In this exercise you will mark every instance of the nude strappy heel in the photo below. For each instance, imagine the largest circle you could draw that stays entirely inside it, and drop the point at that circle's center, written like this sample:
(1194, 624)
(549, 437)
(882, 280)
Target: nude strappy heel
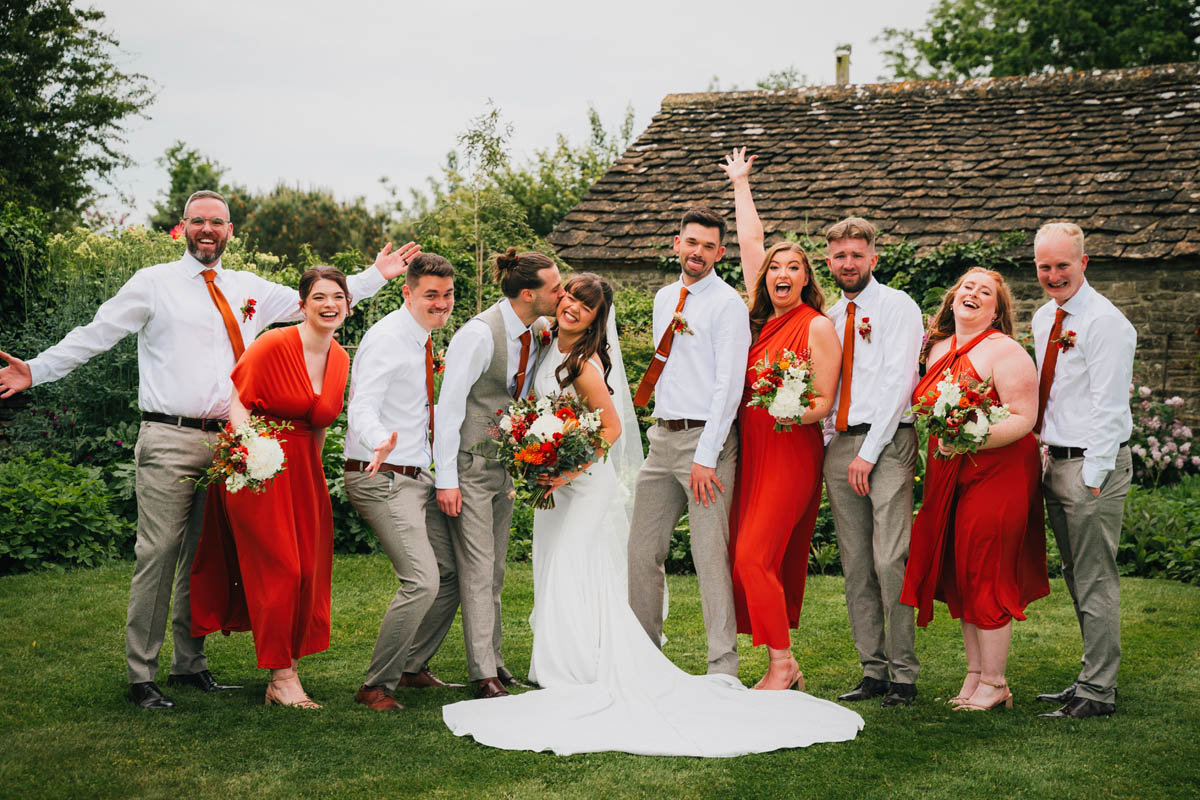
(1004, 702)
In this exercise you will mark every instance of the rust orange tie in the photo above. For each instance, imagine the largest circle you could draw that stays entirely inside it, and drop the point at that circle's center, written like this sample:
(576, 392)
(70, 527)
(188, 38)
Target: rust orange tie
(646, 387)
(1049, 362)
(843, 414)
(231, 326)
(429, 382)
(526, 338)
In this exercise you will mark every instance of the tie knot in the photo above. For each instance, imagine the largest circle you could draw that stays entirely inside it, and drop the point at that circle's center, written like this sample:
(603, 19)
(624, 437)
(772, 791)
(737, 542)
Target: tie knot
(429, 345)
(210, 275)
(683, 292)
(1059, 315)
(526, 338)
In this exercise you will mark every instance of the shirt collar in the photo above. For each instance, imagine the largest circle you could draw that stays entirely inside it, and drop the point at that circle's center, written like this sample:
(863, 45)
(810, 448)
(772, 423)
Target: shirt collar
(866, 297)
(409, 327)
(1079, 301)
(702, 285)
(194, 267)
(512, 323)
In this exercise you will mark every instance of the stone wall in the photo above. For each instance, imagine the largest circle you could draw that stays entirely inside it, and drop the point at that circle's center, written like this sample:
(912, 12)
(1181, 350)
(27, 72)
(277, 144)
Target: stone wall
(1160, 298)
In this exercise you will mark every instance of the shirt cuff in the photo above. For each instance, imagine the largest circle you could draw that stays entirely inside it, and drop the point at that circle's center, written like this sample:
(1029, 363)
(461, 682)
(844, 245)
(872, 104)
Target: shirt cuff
(36, 372)
(706, 456)
(1093, 476)
(445, 477)
(870, 450)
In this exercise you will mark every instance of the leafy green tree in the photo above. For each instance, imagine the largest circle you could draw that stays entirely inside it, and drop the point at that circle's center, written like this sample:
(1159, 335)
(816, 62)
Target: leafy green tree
(303, 225)
(977, 38)
(189, 171)
(62, 106)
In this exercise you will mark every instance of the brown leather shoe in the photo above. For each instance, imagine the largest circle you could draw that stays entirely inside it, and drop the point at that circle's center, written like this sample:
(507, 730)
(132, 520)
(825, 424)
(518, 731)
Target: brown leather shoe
(425, 680)
(376, 697)
(489, 687)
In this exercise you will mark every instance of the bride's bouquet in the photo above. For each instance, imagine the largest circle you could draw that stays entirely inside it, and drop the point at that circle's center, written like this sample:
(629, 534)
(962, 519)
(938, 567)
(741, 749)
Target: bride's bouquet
(960, 412)
(545, 438)
(784, 388)
(248, 456)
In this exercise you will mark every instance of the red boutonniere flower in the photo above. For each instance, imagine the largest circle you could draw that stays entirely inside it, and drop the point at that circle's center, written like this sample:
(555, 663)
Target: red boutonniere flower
(439, 362)
(864, 329)
(544, 337)
(1066, 341)
(680, 324)
(177, 231)
(248, 309)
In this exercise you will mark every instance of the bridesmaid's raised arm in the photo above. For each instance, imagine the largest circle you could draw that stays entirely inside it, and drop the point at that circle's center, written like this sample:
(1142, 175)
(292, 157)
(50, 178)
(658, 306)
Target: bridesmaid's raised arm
(826, 354)
(749, 226)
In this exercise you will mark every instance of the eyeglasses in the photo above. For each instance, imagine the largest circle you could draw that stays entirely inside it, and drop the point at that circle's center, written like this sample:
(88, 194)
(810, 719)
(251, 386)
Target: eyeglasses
(216, 222)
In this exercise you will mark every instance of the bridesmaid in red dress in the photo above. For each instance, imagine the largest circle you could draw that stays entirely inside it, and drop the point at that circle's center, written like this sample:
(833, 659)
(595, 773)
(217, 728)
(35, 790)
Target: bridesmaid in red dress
(979, 540)
(778, 489)
(264, 562)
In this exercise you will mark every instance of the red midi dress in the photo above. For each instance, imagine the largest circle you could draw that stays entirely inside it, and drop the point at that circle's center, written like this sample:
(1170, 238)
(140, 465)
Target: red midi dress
(264, 562)
(776, 499)
(979, 540)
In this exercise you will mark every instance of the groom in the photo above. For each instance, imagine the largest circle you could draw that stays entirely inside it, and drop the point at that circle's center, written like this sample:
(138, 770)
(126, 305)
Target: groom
(490, 362)
(703, 332)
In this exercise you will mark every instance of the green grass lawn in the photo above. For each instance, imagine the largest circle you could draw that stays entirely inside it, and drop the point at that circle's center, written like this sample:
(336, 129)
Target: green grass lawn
(67, 731)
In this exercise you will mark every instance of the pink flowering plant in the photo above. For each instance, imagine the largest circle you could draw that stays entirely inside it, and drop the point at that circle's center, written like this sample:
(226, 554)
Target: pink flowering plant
(1164, 450)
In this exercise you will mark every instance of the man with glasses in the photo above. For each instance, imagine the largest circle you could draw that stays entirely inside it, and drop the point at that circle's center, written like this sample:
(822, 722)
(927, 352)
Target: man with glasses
(193, 320)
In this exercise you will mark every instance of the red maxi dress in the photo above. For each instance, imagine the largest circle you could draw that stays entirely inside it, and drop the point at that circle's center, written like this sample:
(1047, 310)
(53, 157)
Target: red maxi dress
(776, 499)
(979, 540)
(264, 561)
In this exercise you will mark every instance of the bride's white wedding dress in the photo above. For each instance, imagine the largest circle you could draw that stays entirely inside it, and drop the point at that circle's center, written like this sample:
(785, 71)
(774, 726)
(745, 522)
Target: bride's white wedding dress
(605, 685)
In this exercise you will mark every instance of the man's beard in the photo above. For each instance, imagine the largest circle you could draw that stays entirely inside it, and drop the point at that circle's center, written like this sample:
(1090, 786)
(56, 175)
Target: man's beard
(857, 286)
(218, 249)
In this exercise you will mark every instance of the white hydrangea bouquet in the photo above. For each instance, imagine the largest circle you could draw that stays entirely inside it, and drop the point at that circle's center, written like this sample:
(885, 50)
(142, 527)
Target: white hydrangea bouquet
(248, 456)
(960, 412)
(545, 438)
(784, 388)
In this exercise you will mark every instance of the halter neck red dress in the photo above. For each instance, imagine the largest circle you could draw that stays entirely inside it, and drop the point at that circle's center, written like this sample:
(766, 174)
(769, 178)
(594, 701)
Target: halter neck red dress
(776, 499)
(979, 540)
(265, 560)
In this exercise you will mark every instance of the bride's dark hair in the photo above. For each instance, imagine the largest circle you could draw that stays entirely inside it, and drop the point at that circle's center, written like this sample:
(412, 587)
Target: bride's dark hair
(595, 293)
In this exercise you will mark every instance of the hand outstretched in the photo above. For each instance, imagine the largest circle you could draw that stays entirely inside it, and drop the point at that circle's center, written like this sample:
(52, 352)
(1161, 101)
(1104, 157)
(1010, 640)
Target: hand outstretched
(16, 377)
(381, 452)
(737, 166)
(392, 264)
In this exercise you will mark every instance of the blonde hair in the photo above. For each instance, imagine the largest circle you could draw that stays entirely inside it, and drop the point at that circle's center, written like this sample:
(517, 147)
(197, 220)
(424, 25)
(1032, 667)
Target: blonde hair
(941, 326)
(1068, 229)
(851, 228)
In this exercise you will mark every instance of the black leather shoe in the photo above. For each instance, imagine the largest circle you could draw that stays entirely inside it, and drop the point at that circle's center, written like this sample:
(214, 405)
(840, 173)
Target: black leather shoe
(506, 678)
(147, 695)
(202, 680)
(1065, 696)
(866, 689)
(899, 694)
(1081, 708)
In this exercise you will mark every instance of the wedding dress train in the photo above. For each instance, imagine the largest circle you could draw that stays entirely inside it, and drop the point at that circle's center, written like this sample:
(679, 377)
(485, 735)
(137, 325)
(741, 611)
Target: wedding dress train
(605, 685)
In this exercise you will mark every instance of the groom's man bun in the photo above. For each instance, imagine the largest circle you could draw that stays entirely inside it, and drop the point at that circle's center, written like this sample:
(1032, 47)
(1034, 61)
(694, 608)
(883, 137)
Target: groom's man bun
(427, 264)
(516, 271)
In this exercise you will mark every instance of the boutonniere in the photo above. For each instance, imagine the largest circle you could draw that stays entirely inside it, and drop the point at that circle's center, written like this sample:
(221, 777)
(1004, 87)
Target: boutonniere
(864, 329)
(680, 325)
(439, 361)
(1066, 341)
(544, 337)
(248, 309)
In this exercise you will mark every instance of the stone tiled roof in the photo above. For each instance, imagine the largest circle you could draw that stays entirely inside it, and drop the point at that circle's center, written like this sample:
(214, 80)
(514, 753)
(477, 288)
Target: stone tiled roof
(931, 162)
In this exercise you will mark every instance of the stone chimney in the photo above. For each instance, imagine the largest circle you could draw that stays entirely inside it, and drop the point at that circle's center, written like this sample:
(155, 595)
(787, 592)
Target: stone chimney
(842, 53)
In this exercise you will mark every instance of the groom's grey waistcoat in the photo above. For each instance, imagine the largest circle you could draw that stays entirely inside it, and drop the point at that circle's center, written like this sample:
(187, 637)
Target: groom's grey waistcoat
(490, 392)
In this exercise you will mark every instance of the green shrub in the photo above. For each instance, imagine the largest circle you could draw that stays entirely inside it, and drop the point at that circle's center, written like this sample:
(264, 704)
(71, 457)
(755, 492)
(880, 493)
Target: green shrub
(55, 514)
(1160, 535)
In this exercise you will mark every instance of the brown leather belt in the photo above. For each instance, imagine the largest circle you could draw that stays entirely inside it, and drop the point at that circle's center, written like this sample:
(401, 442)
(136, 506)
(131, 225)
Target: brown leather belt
(1058, 451)
(681, 424)
(184, 422)
(864, 427)
(354, 465)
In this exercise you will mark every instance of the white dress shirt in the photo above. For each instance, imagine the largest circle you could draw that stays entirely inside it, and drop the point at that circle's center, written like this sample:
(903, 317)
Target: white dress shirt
(1089, 399)
(469, 354)
(388, 393)
(184, 354)
(885, 367)
(705, 372)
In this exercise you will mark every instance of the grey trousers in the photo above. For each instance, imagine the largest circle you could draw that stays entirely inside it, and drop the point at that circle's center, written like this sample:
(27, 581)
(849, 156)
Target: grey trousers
(413, 532)
(170, 520)
(873, 533)
(480, 537)
(662, 493)
(1088, 530)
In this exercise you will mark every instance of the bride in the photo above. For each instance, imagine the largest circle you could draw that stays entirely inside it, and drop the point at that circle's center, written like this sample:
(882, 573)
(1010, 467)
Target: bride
(605, 685)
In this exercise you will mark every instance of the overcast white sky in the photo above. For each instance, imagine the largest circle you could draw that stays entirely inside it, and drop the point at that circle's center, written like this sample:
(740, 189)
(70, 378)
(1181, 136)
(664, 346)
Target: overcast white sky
(337, 94)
